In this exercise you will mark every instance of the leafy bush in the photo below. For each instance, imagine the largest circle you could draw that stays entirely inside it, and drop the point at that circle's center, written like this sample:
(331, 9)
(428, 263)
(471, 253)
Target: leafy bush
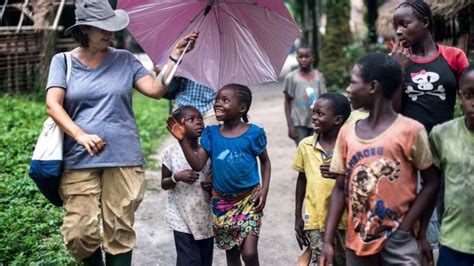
(151, 120)
(29, 225)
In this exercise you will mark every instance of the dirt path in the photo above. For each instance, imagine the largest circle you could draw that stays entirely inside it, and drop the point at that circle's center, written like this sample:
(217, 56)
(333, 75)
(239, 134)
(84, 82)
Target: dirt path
(277, 245)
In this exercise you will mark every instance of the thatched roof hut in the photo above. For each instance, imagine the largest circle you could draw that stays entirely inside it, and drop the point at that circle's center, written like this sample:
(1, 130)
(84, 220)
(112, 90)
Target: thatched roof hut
(446, 9)
(384, 23)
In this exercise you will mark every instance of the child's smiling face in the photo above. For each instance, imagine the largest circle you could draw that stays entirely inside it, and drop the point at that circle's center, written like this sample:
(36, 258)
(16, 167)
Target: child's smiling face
(466, 94)
(227, 104)
(358, 90)
(324, 118)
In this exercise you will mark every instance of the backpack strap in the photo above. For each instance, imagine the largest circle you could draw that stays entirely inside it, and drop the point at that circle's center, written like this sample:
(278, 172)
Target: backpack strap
(67, 58)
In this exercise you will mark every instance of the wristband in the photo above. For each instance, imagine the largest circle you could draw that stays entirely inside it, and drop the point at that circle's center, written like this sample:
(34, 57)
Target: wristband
(173, 179)
(174, 60)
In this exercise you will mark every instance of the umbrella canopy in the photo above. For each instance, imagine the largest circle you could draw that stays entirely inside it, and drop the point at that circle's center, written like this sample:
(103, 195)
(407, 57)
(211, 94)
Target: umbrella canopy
(240, 41)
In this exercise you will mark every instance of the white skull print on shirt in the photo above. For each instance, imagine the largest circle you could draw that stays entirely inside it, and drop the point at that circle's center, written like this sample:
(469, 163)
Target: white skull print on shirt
(424, 84)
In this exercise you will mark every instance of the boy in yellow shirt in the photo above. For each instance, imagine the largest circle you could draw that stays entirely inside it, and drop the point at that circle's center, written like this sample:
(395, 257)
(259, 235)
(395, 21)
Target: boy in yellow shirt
(330, 112)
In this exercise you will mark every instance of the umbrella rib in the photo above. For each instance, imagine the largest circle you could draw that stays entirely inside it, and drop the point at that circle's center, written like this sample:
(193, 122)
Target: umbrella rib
(236, 19)
(216, 16)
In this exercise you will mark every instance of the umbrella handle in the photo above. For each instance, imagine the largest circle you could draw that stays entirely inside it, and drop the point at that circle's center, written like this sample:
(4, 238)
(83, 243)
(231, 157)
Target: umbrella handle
(175, 67)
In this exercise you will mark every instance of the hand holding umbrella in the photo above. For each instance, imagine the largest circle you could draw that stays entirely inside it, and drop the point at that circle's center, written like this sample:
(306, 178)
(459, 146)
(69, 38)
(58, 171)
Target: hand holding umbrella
(183, 46)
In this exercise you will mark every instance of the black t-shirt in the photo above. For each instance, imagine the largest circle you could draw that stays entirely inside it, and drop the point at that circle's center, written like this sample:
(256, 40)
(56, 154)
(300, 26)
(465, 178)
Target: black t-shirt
(429, 87)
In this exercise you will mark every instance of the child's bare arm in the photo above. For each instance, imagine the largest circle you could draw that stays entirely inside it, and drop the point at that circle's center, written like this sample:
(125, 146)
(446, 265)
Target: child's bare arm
(337, 206)
(166, 181)
(299, 198)
(196, 160)
(265, 168)
(289, 121)
(424, 199)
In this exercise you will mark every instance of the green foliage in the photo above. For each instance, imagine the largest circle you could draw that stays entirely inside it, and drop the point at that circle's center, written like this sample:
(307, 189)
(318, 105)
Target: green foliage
(334, 64)
(151, 117)
(29, 224)
(358, 48)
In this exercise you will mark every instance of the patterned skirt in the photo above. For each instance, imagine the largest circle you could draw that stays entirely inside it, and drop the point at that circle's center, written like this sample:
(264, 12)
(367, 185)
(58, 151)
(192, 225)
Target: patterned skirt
(234, 218)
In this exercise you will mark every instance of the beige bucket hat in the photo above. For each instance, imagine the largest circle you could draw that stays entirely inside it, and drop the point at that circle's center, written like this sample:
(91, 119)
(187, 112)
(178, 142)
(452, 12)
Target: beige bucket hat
(99, 14)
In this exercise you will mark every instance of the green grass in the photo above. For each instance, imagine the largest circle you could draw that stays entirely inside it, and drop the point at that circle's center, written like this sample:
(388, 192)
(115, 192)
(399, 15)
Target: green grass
(29, 225)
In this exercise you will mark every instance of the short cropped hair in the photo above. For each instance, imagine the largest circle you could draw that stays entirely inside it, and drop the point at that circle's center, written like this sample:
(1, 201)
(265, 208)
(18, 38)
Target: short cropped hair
(382, 68)
(470, 68)
(305, 47)
(339, 103)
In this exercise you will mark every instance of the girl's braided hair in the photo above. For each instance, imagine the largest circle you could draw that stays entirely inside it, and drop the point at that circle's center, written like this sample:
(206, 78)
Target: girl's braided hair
(421, 10)
(245, 97)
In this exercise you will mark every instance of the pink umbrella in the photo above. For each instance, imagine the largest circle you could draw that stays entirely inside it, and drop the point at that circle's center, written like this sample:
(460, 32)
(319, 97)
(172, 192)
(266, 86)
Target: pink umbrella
(240, 41)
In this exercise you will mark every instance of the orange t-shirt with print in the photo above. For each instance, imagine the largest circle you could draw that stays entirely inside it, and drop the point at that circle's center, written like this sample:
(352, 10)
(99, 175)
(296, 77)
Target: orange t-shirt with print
(381, 178)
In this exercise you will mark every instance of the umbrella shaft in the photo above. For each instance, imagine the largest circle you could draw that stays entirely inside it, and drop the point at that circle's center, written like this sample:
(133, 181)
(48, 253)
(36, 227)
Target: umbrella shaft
(175, 67)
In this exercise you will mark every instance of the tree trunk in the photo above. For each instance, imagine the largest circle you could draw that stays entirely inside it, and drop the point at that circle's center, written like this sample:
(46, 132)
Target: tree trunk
(372, 14)
(334, 64)
(49, 41)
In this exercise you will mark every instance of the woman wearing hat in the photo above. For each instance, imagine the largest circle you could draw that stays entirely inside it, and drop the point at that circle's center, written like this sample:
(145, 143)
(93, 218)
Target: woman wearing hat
(103, 162)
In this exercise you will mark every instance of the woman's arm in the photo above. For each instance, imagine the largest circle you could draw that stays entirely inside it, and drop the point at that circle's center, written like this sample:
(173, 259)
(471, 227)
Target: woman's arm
(55, 109)
(155, 87)
(265, 171)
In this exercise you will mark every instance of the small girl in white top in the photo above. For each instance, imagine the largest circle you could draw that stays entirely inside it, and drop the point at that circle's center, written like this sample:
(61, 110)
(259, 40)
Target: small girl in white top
(189, 199)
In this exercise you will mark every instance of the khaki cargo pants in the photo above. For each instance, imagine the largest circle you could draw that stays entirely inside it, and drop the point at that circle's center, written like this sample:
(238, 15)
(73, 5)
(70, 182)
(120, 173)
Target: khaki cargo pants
(112, 194)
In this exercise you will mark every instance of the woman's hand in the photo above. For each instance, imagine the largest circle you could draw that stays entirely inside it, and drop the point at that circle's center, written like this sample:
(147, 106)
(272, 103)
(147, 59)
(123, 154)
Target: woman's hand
(401, 54)
(93, 143)
(175, 128)
(260, 198)
(181, 44)
(186, 176)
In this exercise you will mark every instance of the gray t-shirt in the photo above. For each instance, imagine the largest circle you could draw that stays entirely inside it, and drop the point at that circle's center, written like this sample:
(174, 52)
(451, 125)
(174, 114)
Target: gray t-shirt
(304, 93)
(99, 101)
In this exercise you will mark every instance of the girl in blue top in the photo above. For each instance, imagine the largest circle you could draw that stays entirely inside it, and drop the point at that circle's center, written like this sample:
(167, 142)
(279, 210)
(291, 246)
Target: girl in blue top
(238, 198)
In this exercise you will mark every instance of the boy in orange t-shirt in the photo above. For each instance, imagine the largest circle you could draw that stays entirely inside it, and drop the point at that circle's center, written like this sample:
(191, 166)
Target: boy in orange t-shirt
(377, 160)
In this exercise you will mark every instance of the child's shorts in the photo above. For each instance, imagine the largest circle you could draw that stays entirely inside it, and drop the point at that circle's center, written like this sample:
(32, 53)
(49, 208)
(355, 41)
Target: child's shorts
(448, 256)
(234, 218)
(316, 241)
(401, 248)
